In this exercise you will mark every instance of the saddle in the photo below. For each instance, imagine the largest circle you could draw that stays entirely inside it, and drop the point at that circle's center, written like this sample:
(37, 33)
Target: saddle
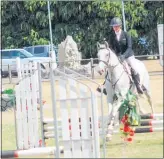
(134, 79)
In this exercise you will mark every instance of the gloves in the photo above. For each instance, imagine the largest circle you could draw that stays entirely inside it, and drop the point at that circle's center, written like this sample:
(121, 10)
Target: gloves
(122, 58)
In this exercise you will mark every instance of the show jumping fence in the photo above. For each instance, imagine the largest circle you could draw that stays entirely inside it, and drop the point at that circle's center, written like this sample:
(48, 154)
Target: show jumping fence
(27, 94)
(78, 114)
(78, 125)
(83, 141)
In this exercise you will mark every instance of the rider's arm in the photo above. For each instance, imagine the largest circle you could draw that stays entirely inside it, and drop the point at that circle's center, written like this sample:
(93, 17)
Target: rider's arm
(129, 46)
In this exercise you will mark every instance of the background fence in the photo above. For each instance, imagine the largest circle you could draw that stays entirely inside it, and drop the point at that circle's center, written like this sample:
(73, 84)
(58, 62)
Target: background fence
(85, 64)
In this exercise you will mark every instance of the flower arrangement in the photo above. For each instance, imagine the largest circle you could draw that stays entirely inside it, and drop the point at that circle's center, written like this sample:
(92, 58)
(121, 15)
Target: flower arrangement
(7, 99)
(8, 91)
(128, 117)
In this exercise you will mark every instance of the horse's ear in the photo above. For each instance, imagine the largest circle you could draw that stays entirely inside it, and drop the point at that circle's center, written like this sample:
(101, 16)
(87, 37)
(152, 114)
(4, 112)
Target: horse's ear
(106, 44)
(98, 45)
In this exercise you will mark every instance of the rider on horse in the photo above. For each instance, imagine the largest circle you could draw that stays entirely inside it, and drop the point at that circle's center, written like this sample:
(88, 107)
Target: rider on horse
(120, 42)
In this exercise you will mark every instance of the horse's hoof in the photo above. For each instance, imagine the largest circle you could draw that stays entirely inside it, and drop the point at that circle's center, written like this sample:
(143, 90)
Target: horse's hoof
(108, 137)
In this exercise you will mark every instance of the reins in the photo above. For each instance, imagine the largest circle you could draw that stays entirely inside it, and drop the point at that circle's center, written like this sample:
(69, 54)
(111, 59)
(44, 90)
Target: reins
(107, 75)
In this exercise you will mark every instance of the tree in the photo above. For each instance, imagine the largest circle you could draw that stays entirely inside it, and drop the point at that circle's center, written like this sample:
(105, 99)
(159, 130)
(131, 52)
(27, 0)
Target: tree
(26, 23)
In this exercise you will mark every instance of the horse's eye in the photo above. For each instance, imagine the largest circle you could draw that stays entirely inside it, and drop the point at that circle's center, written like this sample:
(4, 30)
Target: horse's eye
(107, 55)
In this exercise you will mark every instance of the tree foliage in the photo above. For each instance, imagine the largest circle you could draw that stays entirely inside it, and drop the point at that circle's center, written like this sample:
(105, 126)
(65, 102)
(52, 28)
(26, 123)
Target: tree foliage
(26, 23)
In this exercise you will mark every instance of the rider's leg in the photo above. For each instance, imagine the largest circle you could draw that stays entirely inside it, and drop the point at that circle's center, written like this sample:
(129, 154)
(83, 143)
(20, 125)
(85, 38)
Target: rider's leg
(131, 61)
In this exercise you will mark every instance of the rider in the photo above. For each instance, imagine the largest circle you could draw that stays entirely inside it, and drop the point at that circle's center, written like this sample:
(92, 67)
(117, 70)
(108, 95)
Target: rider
(120, 42)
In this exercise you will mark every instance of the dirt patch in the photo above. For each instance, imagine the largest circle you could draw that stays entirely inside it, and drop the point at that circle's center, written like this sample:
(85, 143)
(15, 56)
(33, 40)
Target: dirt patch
(153, 65)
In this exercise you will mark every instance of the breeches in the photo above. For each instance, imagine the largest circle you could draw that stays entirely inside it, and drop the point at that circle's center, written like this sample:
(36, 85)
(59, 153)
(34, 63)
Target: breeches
(132, 62)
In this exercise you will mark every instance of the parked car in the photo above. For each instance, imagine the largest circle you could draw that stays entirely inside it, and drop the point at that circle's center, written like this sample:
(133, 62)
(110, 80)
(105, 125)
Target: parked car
(9, 58)
(40, 50)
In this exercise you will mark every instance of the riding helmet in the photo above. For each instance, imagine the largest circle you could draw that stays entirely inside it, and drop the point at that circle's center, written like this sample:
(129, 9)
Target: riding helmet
(116, 21)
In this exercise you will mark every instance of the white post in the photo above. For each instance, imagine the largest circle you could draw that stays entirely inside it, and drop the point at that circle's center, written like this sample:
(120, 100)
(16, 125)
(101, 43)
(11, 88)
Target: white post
(53, 57)
(123, 15)
(18, 64)
(160, 42)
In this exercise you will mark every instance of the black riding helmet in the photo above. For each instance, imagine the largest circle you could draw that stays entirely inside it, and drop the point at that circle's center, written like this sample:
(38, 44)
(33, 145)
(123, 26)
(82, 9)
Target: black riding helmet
(116, 21)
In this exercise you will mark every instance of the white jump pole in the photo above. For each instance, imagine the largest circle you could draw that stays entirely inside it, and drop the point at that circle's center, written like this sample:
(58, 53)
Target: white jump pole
(34, 152)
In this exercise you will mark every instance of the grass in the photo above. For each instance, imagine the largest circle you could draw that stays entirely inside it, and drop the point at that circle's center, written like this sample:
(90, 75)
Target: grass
(143, 146)
(8, 137)
(148, 145)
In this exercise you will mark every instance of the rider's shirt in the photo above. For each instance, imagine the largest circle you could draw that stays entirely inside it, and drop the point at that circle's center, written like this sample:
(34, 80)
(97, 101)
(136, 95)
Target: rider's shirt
(118, 34)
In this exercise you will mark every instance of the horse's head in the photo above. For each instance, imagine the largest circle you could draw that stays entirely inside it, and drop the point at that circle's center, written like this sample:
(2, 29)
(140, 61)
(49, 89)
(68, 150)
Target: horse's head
(103, 56)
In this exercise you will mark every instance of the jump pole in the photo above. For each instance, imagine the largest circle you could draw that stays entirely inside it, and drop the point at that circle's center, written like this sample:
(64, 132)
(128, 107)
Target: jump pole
(31, 152)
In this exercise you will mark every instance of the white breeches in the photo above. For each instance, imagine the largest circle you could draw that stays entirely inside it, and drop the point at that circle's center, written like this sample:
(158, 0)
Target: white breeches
(133, 63)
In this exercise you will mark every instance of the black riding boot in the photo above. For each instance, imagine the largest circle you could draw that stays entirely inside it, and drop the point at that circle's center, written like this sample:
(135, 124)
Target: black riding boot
(136, 79)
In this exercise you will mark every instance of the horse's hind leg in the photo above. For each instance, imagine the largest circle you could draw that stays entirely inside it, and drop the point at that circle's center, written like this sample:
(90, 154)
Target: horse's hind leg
(146, 88)
(149, 100)
(141, 109)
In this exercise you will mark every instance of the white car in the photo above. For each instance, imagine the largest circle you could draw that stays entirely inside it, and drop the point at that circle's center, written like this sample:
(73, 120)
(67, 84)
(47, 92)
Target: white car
(9, 56)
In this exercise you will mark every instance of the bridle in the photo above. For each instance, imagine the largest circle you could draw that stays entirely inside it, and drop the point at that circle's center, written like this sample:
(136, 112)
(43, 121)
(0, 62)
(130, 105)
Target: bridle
(113, 67)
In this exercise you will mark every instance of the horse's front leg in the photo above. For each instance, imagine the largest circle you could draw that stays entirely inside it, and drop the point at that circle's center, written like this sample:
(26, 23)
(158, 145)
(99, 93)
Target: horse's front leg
(110, 93)
(113, 116)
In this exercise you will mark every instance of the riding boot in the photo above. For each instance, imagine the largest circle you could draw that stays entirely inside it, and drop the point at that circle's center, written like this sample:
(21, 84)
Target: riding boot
(136, 79)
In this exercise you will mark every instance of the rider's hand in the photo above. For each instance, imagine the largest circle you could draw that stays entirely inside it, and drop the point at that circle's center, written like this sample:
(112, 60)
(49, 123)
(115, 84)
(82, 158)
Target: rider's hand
(122, 58)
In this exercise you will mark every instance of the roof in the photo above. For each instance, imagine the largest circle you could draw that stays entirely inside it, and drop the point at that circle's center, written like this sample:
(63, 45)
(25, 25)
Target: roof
(38, 46)
(10, 49)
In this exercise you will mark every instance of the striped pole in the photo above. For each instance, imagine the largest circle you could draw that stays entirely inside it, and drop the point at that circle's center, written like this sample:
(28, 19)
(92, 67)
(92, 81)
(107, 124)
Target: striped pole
(140, 130)
(153, 125)
(136, 130)
(144, 130)
(147, 130)
(151, 122)
(31, 152)
(146, 116)
(143, 123)
(151, 116)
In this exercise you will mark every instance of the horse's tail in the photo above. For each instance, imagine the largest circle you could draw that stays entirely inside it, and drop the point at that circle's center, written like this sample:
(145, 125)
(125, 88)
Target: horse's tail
(146, 80)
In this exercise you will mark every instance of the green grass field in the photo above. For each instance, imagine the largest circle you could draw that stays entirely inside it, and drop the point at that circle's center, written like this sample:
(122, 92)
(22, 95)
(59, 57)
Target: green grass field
(147, 145)
(144, 145)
